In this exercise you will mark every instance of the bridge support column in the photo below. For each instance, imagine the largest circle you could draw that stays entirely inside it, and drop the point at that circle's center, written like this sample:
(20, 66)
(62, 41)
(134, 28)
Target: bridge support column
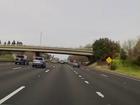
(91, 59)
(37, 54)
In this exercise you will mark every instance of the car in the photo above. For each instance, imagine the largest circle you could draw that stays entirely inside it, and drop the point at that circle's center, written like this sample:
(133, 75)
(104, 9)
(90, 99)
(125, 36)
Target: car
(75, 64)
(39, 62)
(22, 60)
(62, 62)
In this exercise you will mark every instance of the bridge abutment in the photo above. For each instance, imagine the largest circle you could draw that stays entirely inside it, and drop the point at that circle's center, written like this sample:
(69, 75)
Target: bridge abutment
(91, 59)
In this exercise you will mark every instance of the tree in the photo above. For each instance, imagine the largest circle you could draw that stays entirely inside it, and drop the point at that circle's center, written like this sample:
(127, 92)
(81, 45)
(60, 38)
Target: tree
(4, 43)
(104, 47)
(88, 46)
(8, 43)
(136, 52)
(128, 46)
(21, 43)
(14, 42)
(123, 54)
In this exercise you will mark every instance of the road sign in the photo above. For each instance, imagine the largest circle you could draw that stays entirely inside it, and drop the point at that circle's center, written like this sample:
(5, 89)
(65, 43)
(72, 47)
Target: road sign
(109, 60)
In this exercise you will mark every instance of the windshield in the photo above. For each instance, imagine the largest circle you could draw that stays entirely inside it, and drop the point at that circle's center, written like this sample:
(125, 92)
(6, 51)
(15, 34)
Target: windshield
(69, 52)
(39, 58)
(20, 56)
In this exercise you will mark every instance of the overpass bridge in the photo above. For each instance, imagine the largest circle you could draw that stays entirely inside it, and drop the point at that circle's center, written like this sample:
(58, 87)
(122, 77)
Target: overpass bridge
(43, 49)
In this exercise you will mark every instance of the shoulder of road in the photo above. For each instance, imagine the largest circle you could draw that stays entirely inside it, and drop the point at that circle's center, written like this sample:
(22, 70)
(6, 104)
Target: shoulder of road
(105, 69)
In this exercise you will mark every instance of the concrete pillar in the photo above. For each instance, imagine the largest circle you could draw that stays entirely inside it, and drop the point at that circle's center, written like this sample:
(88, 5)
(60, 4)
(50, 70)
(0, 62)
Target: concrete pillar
(30, 55)
(37, 54)
(91, 59)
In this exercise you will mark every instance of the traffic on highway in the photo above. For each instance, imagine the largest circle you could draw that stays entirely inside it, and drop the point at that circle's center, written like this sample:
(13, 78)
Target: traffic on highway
(49, 83)
(69, 52)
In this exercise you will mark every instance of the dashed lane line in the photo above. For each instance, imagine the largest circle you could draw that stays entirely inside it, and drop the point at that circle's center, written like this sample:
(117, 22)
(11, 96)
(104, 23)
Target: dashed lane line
(104, 75)
(16, 68)
(47, 70)
(86, 82)
(11, 94)
(100, 94)
(76, 72)
(79, 76)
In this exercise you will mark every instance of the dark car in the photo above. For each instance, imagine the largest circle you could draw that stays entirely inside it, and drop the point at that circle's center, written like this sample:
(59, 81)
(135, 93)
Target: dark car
(39, 62)
(22, 60)
(75, 64)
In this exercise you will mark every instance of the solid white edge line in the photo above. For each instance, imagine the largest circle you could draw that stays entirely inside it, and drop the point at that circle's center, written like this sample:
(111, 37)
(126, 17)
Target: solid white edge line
(11, 94)
(100, 94)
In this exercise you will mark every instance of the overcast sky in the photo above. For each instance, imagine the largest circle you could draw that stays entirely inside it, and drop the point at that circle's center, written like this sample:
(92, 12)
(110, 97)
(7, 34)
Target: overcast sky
(68, 23)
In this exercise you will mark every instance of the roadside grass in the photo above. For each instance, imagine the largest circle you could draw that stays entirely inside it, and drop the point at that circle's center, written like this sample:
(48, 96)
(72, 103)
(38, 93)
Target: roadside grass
(126, 68)
(6, 58)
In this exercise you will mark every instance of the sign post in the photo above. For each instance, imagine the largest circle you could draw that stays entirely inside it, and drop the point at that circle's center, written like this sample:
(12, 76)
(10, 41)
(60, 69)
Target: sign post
(109, 61)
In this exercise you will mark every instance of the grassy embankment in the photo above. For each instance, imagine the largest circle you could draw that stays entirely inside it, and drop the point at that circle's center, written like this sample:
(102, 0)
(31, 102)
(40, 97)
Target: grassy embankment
(125, 67)
(6, 58)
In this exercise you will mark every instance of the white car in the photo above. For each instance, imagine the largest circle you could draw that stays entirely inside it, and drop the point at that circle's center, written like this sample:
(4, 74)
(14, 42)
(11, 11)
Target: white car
(39, 62)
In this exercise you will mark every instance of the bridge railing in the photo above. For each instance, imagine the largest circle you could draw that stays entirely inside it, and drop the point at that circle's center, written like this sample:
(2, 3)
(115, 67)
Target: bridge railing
(47, 48)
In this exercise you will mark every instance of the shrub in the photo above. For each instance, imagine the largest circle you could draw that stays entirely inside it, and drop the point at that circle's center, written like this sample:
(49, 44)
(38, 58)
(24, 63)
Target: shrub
(137, 61)
(113, 66)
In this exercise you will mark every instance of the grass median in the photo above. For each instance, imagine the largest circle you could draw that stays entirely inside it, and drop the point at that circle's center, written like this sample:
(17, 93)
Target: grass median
(6, 58)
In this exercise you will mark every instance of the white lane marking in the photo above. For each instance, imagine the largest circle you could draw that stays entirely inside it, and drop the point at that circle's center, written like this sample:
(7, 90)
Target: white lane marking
(100, 94)
(70, 67)
(47, 70)
(17, 68)
(104, 75)
(79, 76)
(86, 82)
(76, 72)
(11, 94)
(125, 76)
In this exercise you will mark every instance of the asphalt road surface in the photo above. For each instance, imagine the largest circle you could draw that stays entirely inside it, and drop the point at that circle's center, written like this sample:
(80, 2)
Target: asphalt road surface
(61, 84)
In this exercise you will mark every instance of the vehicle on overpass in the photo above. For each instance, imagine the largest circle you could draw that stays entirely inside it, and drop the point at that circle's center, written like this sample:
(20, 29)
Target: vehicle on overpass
(22, 60)
(39, 62)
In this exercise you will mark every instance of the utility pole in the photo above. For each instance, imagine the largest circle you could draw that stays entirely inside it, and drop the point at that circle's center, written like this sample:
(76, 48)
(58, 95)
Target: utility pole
(40, 38)
(46, 38)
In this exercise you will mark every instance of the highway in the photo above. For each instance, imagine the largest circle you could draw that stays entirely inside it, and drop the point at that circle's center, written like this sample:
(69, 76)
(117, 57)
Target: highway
(61, 84)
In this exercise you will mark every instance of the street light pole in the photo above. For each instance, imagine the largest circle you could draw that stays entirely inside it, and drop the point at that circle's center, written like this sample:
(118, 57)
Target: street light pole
(46, 38)
(40, 38)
